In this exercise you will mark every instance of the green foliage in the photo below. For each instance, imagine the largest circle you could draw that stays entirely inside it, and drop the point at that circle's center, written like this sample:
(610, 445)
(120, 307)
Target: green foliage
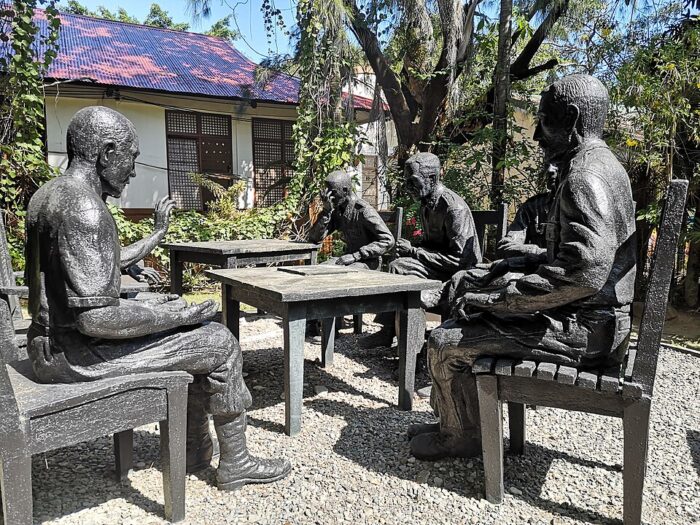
(159, 17)
(222, 29)
(156, 17)
(22, 67)
(325, 138)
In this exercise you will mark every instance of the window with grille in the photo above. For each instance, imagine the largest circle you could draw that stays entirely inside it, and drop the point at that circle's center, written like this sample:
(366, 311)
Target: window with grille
(197, 143)
(273, 153)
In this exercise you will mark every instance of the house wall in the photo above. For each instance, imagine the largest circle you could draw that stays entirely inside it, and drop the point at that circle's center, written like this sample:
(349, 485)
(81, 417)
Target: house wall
(147, 112)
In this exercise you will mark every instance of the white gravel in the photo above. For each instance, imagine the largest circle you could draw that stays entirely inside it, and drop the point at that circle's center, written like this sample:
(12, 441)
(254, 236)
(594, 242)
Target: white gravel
(351, 460)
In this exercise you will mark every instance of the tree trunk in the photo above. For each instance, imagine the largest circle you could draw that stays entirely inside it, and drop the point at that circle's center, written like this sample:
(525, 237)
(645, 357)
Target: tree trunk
(500, 106)
(693, 269)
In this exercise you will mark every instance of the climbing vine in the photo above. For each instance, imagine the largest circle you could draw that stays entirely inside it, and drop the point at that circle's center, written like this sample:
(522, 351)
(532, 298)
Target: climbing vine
(28, 45)
(325, 135)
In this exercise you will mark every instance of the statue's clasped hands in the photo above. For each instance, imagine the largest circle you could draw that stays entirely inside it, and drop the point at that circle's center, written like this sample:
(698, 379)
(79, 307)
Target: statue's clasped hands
(404, 247)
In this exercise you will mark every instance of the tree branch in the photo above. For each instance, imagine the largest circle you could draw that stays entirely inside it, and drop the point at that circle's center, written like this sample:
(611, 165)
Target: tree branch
(391, 85)
(520, 69)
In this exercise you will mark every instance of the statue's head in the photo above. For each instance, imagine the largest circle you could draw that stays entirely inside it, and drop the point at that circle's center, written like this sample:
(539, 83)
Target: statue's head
(572, 110)
(340, 186)
(422, 173)
(106, 140)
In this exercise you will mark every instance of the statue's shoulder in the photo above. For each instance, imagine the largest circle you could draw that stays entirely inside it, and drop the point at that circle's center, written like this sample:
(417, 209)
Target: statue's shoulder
(452, 199)
(67, 200)
(365, 208)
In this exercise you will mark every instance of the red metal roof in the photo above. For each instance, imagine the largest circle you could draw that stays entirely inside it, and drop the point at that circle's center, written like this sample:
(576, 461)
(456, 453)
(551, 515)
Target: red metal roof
(144, 57)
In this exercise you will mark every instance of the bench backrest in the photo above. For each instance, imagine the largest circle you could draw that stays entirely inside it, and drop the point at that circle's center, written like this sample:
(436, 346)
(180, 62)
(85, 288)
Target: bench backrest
(7, 275)
(394, 221)
(11, 436)
(656, 300)
(497, 217)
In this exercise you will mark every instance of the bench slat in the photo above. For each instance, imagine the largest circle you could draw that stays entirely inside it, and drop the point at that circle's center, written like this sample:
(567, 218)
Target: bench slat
(587, 380)
(631, 356)
(566, 375)
(525, 368)
(546, 371)
(610, 379)
(483, 365)
(504, 367)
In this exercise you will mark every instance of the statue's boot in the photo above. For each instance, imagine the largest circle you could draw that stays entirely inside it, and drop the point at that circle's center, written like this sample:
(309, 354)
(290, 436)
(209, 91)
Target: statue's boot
(431, 446)
(199, 445)
(236, 466)
(421, 428)
(385, 336)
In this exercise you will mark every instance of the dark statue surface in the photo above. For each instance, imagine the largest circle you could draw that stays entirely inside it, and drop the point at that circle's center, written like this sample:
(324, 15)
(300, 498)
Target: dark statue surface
(81, 330)
(575, 307)
(522, 248)
(449, 242)
(366, 236)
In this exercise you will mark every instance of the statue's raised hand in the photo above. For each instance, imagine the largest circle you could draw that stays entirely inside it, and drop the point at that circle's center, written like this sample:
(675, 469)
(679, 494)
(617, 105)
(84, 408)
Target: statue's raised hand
(328, 201)
(161, 215)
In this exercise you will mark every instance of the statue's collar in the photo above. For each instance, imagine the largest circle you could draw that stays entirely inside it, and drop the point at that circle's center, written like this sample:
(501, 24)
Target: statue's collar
(433, 199)
(565, 162)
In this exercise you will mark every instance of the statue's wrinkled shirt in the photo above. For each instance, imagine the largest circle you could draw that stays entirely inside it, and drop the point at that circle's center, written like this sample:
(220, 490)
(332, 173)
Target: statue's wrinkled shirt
(72, 256)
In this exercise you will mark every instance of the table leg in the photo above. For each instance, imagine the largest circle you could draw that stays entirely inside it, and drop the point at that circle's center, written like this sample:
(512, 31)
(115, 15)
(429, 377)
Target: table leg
(230, 263)
(231, 311)
(327, 341)
(175, 273)
(314, 257)
(411, 335)
(294, 331)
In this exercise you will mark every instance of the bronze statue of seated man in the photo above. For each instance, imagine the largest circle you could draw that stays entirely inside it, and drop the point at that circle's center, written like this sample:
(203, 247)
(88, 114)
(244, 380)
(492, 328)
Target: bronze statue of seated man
(575, 307)
(522, 250)
(81, 330)
(449, 242)
(366, 236)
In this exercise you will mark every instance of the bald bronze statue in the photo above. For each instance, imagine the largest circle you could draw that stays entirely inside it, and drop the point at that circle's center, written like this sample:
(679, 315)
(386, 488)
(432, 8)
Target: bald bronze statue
(574, 308)
(366, 236)
(82, 331)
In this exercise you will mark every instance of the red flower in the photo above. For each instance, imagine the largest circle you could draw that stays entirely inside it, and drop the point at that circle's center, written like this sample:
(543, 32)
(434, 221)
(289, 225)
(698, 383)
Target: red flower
(411, 221)
(417, 233)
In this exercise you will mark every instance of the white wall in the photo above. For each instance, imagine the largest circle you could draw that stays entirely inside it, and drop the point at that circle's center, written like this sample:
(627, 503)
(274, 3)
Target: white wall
(148, 116)
(151, 182)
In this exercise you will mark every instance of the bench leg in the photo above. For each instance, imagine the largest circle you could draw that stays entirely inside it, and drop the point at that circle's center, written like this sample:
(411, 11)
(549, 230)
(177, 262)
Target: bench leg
(173, 432)
(516, 419)
(176, 269)
(16, 487)
(491, 417)
(123, 453)
(636, 431)
(357, 323)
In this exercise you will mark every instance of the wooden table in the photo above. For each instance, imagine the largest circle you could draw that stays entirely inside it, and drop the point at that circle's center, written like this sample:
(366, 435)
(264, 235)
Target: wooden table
(232, 254)
(298, 293)
(130, 286)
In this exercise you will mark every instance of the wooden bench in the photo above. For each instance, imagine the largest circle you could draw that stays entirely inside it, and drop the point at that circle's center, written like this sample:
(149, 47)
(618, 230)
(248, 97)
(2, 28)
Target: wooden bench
(624, 391)
(36, 418)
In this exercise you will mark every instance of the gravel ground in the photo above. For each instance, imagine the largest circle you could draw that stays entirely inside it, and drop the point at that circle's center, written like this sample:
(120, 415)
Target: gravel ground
(351, 461)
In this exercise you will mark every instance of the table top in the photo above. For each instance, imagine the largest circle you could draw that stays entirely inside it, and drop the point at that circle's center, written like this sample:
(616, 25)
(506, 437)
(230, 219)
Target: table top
(131, 285)
(243, 247)
(281, 285)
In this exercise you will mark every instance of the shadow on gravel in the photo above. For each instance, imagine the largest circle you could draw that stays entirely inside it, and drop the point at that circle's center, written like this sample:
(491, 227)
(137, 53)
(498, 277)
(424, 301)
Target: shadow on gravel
(693, 437)
(375, 439)
(265, 369)
(71, 479)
